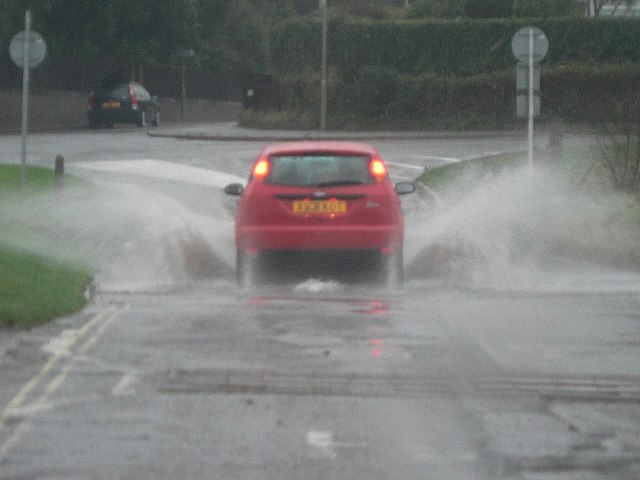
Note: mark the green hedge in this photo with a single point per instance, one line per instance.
(583, 93)
(378, 97)
(458, 47)
(451, 74)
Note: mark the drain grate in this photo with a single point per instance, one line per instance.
(576, 388)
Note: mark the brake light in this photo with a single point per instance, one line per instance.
(133, 96)
(378, 169)
(261, 169)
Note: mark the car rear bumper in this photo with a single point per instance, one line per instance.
(114, 116)
(385, 238)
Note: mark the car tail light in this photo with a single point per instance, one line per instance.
(91, 102)
(378, 169)
(261, 169)
(133, 96)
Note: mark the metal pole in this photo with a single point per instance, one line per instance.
(531, 106)
(323, 73)
(184, 91)
(25, 98)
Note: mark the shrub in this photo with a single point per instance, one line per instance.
(381, 97)
(366, 9)
(436, 9)
(461, 47)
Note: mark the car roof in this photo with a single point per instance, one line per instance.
(320, 146)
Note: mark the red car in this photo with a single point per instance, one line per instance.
(319, 200)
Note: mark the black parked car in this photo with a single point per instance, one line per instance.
(124, 103)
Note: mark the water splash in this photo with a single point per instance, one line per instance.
(502, 234)
(497, 235)
(132, 236)
(314, 285)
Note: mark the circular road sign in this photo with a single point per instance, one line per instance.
(520, 44)
(37, 49)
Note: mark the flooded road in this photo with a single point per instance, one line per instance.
(500, 358)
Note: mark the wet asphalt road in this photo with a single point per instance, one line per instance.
(171, 372)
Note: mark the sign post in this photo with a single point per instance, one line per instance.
(530, 45)
(323, 68)
(27, 50)
(184, 54)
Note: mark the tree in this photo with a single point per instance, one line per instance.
(234, 35)
(229, 35)
(488, 8)
(619, 140)
(12, 16)
(7, 15)
(598, 4)
(545, 8)
(78, 27)
(149, 31)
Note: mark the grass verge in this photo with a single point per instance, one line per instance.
(37, 179)
(573, 165)
(35, 289)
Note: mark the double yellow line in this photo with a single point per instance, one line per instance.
(85, 337)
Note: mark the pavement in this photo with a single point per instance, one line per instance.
(231, 131)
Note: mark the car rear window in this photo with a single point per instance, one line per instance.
(121, 93)
(319, 170)
(141, 92)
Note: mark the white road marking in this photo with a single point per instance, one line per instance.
(319, 439)
(149, 167)
(407, 166)
(59, 346)
(323, 441)
(126, 385)
(68, 339)
(438, 159)
(433, 457)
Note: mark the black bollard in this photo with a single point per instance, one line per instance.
(59, 172)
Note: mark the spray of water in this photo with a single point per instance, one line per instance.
(504, 233)
(513, 232)
(130, 236)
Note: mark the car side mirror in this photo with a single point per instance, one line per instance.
(403, 188)
(234, 189)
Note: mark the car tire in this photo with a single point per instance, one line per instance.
(392, 269)
(94, 124)
(245, 270)
(142, 119)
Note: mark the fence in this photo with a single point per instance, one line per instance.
(81, 75)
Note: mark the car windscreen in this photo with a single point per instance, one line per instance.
(319, 170)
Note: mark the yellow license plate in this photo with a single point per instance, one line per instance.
(111, 105)
(319, 206)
